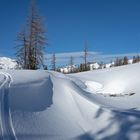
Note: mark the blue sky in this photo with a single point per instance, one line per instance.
(109, 26)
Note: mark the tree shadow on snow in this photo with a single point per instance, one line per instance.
(128, 126)
(85, 137)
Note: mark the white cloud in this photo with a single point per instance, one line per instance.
(64, 58)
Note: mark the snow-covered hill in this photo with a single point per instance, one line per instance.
(7, 63)
(95, 105)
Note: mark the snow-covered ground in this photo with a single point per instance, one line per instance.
(95, 105)
(7, 63)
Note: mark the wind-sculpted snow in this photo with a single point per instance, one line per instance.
(98, 105)
(7, 130)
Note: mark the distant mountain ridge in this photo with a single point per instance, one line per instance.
(7, 63)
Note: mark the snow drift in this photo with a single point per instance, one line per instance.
(98, 105)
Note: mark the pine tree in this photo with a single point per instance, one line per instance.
(54, 62)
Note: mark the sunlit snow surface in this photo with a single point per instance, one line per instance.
(96, 105)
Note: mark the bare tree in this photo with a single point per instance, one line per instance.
(71, 64)
(85, 55)
(35, 39)
(125, 60)
(22, 49)
(53, 62)
(36, 36)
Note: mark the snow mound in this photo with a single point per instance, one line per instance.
(93, 86)
(31, 90)
(54, 106)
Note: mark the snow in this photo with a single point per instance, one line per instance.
(94, 66)
(7, 63)
(94, 105)
(93, 86)
(68, 69)
(130, 61)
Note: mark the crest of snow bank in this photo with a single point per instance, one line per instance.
(30, 90)
(7, 63)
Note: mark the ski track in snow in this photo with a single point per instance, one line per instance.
(7, 130)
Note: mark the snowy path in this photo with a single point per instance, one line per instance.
(7, 131)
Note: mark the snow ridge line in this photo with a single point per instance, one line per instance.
(7, 129)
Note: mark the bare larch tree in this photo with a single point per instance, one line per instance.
(35, 38)
(85, 55)
(22, 49)
(71, 64)
(53, 62)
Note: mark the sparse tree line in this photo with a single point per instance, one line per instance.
(31, 44)
(125, 61)
(81, 68)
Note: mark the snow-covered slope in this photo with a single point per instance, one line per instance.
(94, 105)
(7, 63)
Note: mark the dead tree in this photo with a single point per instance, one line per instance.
(85, 55)
(53, 62)
(34, 42)
(22, 51)
(71, 64)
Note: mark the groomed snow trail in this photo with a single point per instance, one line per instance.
(6, 126)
